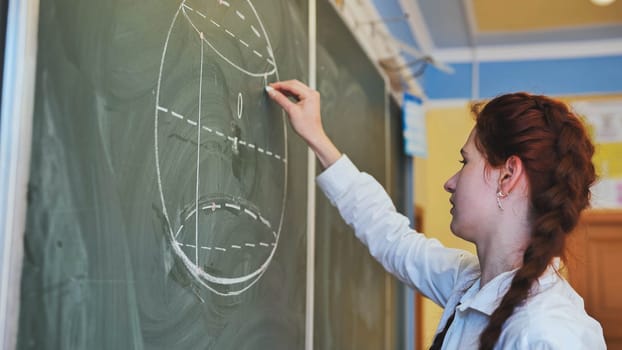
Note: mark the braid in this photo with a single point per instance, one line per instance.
(556, 153)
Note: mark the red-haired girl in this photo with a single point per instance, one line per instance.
(525, 177)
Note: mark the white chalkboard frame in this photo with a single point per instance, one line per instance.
(15, 142)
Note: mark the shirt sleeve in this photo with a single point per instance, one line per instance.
(420, 262)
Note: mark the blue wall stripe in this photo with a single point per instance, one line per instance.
(440, 85)
(553, 77)
(573, 76)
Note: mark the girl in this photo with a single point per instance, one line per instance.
(525, 177)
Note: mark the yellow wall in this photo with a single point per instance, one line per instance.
(447, 130)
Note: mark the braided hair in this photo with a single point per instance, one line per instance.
(556, 153)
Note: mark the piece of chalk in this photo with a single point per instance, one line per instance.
(269, 89)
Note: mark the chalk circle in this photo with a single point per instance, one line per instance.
(222, 179)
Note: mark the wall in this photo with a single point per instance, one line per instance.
(448, 128)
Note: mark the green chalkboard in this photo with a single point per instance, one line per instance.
(167, 196)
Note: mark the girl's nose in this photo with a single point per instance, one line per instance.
(450, 185)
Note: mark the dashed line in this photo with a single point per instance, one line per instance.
(240, 14)
(179, 231)
(232, 34)
(250, 213)
(233, 246)
(223, 2)
(221, 134)
(265, 222)
(233, 206)
(256, 32)
(188, 216)
(212, 206)
(238, 246)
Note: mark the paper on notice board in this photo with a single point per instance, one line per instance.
(604, 119)
(415, 142)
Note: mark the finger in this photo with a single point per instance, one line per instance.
(293, 82)
(300, 84)
(293, 87)
(281, 99)
(297, 83)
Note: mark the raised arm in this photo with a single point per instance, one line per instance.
(304, 116)
(363, 203)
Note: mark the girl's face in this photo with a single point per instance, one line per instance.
(473, 194)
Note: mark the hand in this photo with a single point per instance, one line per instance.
(304, 116)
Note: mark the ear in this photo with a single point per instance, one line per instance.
(510, 174)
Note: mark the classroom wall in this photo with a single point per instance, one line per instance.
(447, 130)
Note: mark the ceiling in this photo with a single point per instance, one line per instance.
(450, 33)
(520, 22)
(441, 25)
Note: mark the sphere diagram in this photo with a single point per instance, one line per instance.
(220, 146)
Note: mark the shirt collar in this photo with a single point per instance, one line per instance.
(487, 299)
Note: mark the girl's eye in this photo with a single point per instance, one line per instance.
(462, 161)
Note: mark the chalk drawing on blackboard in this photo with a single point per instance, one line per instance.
(240, 105)
(221, 170)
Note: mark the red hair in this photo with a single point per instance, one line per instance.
(556, 153)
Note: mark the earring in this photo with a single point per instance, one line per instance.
(500, 195)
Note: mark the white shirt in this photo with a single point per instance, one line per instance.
(553, 317)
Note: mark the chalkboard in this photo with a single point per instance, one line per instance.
(166, 200)
(167, 195)
(356, 300)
